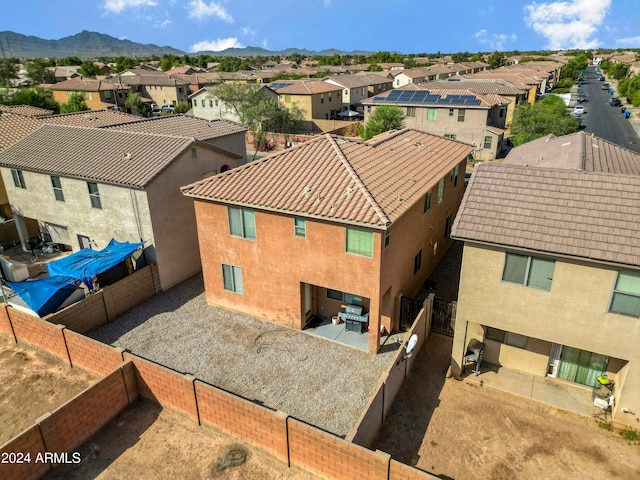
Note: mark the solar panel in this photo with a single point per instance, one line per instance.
(278, 85)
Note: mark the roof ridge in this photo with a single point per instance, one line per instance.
(356, 178)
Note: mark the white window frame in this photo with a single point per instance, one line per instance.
(232, 280)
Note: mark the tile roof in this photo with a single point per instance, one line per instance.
(340, 179)
(159, 80)
(81, 84)
(182, 125)
(26, 110)
(553, 211)
(482, 86)
(485, 100)
(309, 88)
(375, 79)
(576, 151)
(15, 127)
(110, 156)
(349, 80)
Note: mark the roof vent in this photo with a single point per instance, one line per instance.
(348, 192)
(305, 191)
(400, 198)
(566, 144)
(127, 156)
(319, 198)
(418, 144)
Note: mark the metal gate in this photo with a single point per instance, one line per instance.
(409, 309)
(441, 317)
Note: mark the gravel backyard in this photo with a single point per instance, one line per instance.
(315, 380)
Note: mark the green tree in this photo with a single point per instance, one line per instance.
(620, 71)
(383, 118)
(66, 61)
(76, 103)
(461, 57)
(182, 107)
(548, 116)
(36, 97)
(137, 106)
(497, 60)
(124, 63)
(8, 71)
(38, 72)
(573, 67)
(374, 67)
(88, 69)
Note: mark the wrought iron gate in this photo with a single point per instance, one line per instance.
(441, 317)
(409, 309)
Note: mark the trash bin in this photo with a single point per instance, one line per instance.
(627, 114)
(622, 110)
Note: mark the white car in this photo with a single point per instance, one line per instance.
(578, 110)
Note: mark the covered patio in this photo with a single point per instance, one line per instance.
(323, 327)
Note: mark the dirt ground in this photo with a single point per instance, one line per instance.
(148, 442)
(33, 383)
(457, 429)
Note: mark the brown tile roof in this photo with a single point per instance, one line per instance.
(349, 81)
(482, 86)
(340, 179)
(183, 126)
(26, 110)
(576, 151)
(309, 88)
(15, 127)
(485, 100)
(110, 156)
(553, 211)
(375, 79)
(159, 80)
(81, 84)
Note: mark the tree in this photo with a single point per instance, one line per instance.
(182, 107)
(88, 69)
(497, 60)
(124, 63)
(134, 104)
(39, 73)
(383, 118)
(76, 103)
(8, 71)
(548, 116)
(36, 97)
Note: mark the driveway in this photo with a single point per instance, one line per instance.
(315, 380)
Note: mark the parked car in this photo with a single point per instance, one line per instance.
(167, 108)
(579, 110)
(605, 86)
(615, 102)
(602, 78)
(582, 98)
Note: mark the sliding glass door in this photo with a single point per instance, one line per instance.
(580, 366)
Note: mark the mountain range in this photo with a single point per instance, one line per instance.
(93, 44)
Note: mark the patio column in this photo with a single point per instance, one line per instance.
(23, 234)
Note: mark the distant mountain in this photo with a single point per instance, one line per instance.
(93, 44)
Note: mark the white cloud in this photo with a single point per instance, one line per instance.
(248, 31)
(569, 24)
(117, 6)
(165, 23)
(630, 41)
(265, 44)
(200, 10)
(216, 45)
(495, 41)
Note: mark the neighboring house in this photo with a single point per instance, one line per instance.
(157, 88)
(317, 99)
(523, 78)
(26, 110)
(85, 186)
(306, 231)
(355, 88)
(550, 277)
(64, 73)
(456, 114)
(205, 105)
(516, 96)
(407, 77)
(98, 94)
(376, 83)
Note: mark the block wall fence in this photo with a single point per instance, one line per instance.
(128, 377)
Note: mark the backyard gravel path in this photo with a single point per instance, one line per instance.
(315, 380)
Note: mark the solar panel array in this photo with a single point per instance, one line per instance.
(424, 96)
(278, 85)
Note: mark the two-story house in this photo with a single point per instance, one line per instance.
(98, 94)
(376, 83)
(355, 88)
(317, 99)
(159, 88)
(85, 186)
(306, 231)
(550, 280)
(204, 104)
(456, 114)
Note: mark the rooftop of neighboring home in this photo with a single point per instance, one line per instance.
(82, 84)
(438, 97)
(26, 110)
(349, 80)
(575, 195)
(16, 127)
(118, 157)
(412, 73)
(182, 125)
(375, 79)
(308, 88)
(340, 179)
(483, 86)
(159, 80)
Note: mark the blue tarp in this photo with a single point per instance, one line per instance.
(84, 264)
(45, 295)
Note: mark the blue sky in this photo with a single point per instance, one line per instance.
(393, 25)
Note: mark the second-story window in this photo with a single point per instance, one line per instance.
(440, 190)
(18, 178)
(57, 188)
(411, 111)
(300, 227)
(532, 272)
(242, 223)
(94, 195)
(626, 294)
(359, 242)
(461, 114)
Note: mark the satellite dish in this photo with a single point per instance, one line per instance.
(411, 344)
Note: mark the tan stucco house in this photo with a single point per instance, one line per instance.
(550, 279)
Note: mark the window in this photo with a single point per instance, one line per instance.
(94, 195)
(359, 242)
(210, 103)
(90, 95)
(195, 103)
(417, 262)
(447, 225)
(344, 297)
(57, 188)
(432, 114)
(300, 227)
(107, 95)
(440, 190)
(321, 98)
(626, 294)
(202, 103)
(451, 112)
(387, 237)
(427, 202)
(487, 141)
(508, 338)
(232, 278)
(450, 136)
(453, 176)
(287, 98)
(501, 112)
(242, 223)
(528, 271)
(581, 366)
(461, 113)
(411, 111)
(18, 178)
